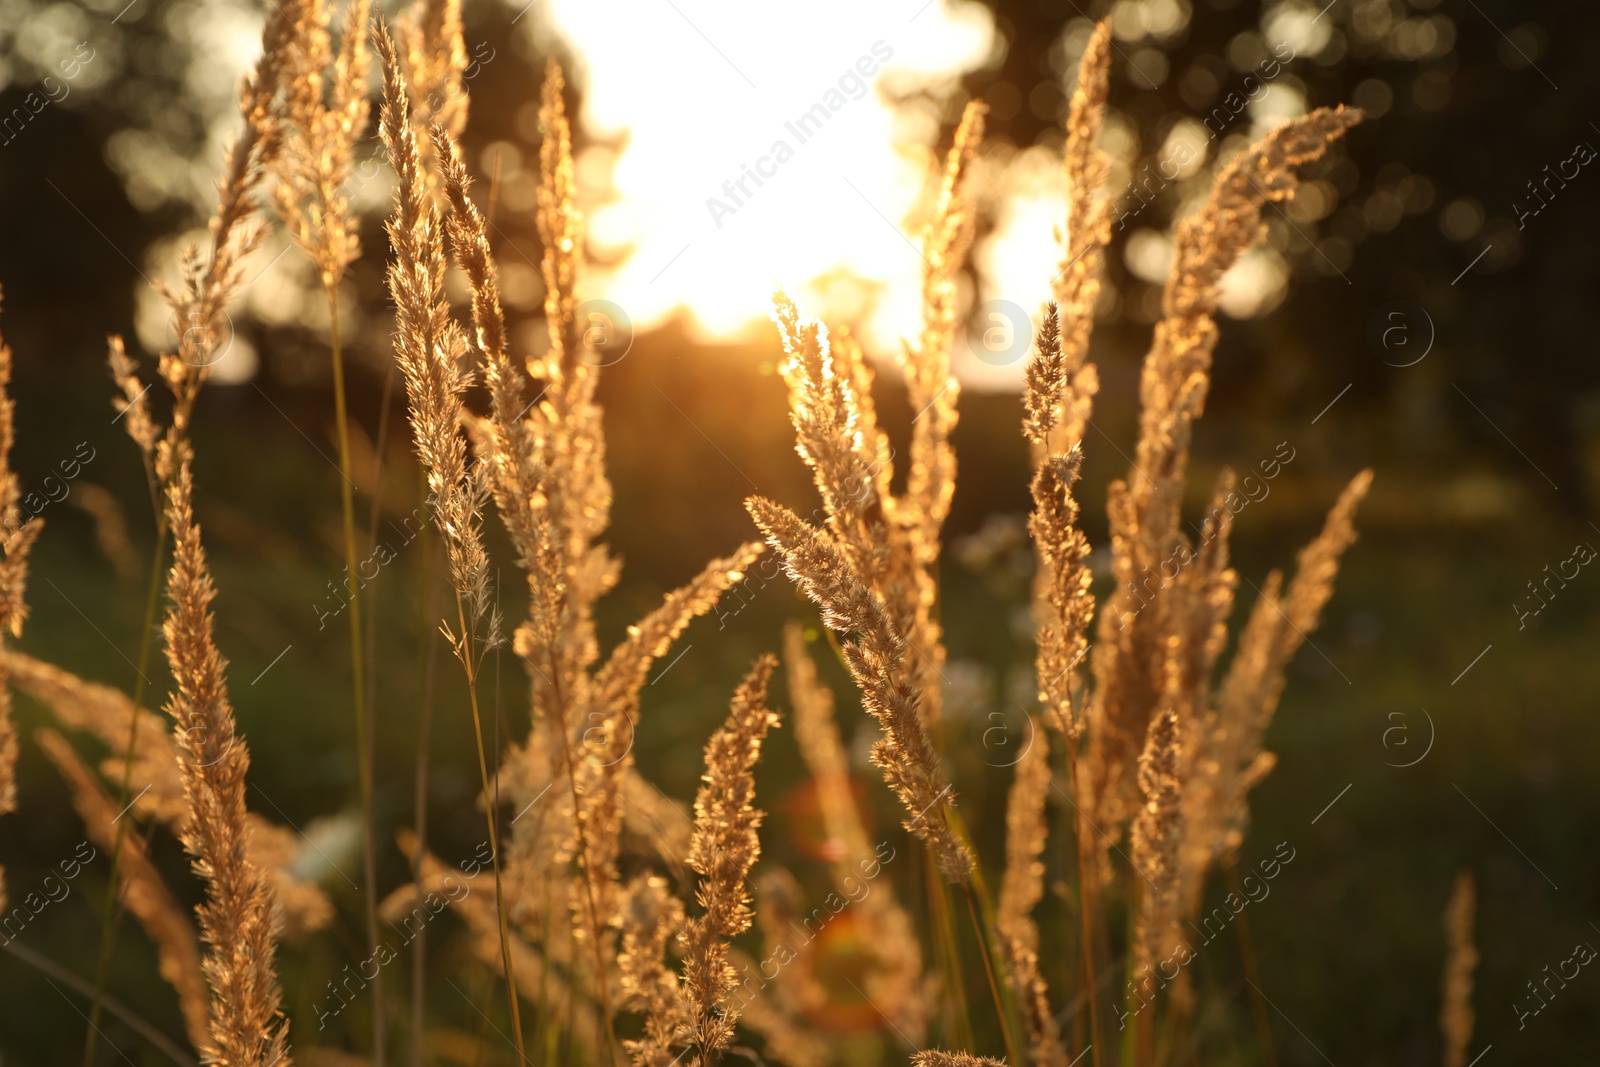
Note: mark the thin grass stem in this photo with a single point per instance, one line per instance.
(984, 945)
(1086, 895)
(357, 672)
(609, 1035)
(469, 661)
(430, 611)
(960, 1022)
(109, 912)
(1247, 953)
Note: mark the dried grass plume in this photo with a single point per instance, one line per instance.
(1456, 1016)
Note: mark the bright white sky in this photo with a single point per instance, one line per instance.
(704, 89)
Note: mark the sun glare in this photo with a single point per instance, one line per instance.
(753, 146)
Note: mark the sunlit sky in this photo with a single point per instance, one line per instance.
(718, 192)
(725, 150)
(707, 96)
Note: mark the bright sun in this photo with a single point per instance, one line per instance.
(761, 146)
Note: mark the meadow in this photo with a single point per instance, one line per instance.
(513, 715)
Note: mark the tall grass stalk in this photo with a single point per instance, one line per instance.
(555, 1029)
(135, 1022)
(470, 659)
(429, 348)
(1157, 754)
(1087, 892)
(357, 673)
(986, 949)
(370, 694)
(958, 1026)
(109, 912)
(430, 611)
(609, 1033)
(980, 900)
(1247, 954)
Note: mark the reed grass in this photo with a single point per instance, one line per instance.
(725, 846)
(145, 891)
(323, 115)
(15, 544)
(940, 1058)
(1456, 1015)
(236, 921)
(429, 346)
(897, 985)
(245, 999)
(1020, 893)
(142, 430)
(591, 924)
